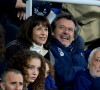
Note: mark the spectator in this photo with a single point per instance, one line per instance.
(49, 74)
(89, 79)
(88, 17)
(34, 34)
(69, 58)
(12, 80)
(12, 15)
(32, 66)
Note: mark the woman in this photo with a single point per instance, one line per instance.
(34, 34)
(32, 66)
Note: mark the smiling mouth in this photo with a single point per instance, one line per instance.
(63, 37)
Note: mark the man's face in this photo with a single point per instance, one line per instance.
(13, 81)
(64, 31)
(94, 67)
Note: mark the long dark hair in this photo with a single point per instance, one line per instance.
(25, 32)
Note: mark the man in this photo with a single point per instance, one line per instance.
(12, 80)
(88, 17)
(89, 79)
(68, 56)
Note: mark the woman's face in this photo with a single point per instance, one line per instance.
(40, 34)
(33, 69)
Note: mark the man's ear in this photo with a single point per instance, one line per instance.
(2, 85)
(89, 65)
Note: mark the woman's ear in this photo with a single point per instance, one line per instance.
(88, 66)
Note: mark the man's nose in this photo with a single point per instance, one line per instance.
(18, 87)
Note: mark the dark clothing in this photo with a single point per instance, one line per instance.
(9, 19)
(16, 46)
(84, 81)
(68, 60)
(49, 83)
(94, 44)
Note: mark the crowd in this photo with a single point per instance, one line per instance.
(46, 54)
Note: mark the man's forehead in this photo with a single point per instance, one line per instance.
(14, 77)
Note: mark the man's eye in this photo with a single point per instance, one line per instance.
(97, 60)
(70, 29)
(20, 83)
(62, 27)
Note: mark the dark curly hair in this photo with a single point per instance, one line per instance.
(2, 43)
(25, 32)
(51, 68)
(20, 62)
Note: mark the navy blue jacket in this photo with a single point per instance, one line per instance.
(84, 81)
(68, 60)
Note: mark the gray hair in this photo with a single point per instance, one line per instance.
(4, 74)
(68, 16)
(92, 53)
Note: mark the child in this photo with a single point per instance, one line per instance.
(49, 75)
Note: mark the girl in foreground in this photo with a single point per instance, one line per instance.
(32, 66)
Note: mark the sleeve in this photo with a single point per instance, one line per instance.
(81, 83)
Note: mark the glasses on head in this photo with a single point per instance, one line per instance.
(70, 29)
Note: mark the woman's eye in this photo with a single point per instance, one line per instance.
(38, 69)
(30, 68)
(46, 29)
(38, 29)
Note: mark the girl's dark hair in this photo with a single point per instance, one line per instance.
(51, 68)
(20, 62)
(25, 32)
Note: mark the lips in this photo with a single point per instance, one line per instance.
(42, 38)
(33, 78)
(66, 37)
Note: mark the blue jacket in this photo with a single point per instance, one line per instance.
(84, 81)
(49, 83)
(68, 60)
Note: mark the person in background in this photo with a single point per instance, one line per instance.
(89, 78)
(49, 75)
(11, 79)
(12, 15)
(69, 58)
(34, 34)
(32, 66)
(94, 44)
(2, 49)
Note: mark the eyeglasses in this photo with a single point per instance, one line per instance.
(62, 27)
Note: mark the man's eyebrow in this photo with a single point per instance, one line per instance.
(13, 82)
